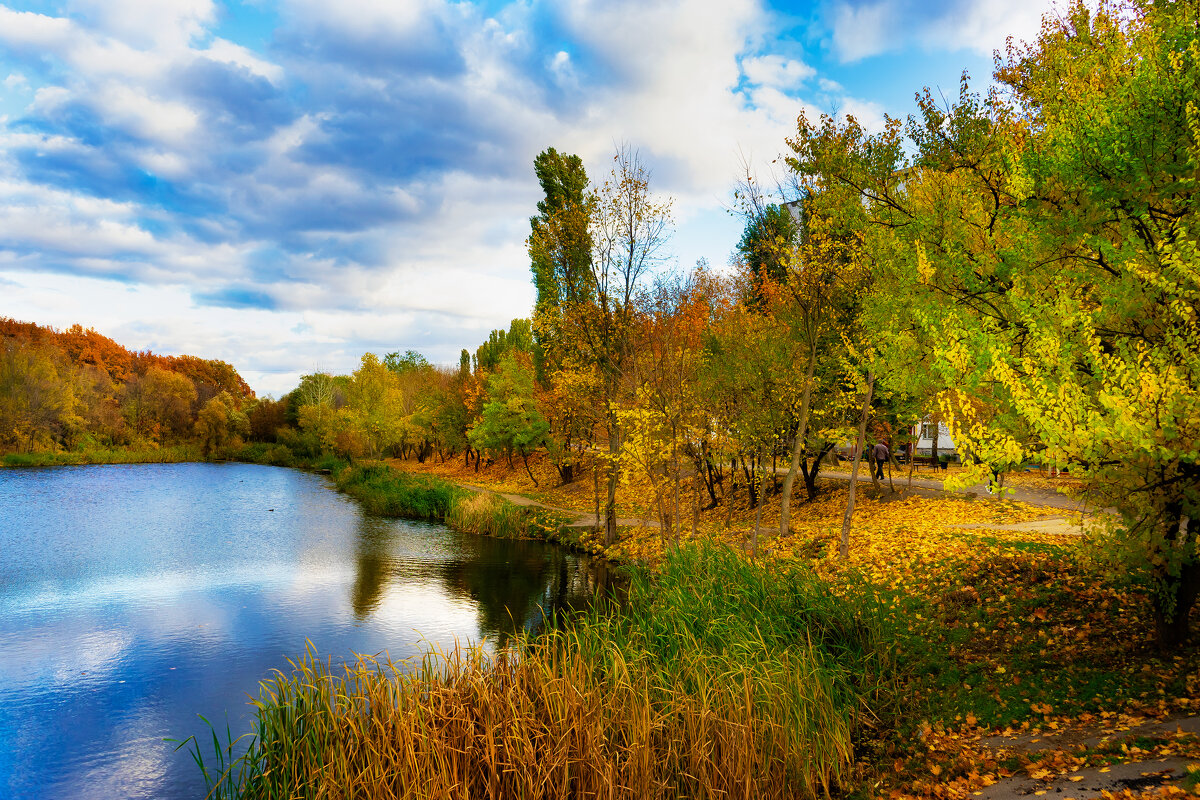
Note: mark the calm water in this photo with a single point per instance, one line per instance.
(133, 598)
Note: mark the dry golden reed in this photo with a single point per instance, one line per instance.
(719, 680)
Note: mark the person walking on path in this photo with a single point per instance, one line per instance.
(880, 454)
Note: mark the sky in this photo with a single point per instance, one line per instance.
(287, 184)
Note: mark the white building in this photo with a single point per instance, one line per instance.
(925, 441)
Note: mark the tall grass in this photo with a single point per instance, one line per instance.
(719, 679)
(391, 493)
(104, 455)
(490, 515)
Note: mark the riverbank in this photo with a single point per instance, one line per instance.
(104, 455)
(717, 678)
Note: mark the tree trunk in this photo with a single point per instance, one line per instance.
(751, 483)
(912, 462)
(785, 508)
(695, 502)
(525, 458)
(729, 497)
(709, 483)
(810, 474)
(610, 504)
(844, 546)
(757, 525)
(596, 489)
(676, 470)
(1173, 612)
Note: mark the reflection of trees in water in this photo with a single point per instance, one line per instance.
(374, 564)
(513, 584)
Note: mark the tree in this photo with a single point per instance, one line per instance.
(511, 422)
(626, 230)
(666, 419)
(767, 242)
(37, 398)
(1045, 242)
(220, 423)
(159, 404)
(560, 250)
(409, 362)
(519, 336)
(807, 276)
(376, 404)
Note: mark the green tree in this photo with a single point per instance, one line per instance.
(560, 250)
(519, 336)
(771, 233)
(375, 402)
(409, 362)
(511, 422)
(37, 398)
(1044, 242)
(220, 423)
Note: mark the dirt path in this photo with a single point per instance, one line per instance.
(583, 519)
(1133, 775)
(1028, 495)
(1060, 526)
(1036, 497)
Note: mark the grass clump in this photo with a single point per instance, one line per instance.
(490, 514)
(718, 678)
(390, 493)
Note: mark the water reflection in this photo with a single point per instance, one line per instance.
(133, 598)
(513, 585)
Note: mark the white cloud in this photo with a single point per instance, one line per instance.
(161, 24)
(864, 29)
(227, 52)
(776, 71)
(144, 115)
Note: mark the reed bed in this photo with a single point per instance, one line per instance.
(761, 700)
(490, 515)
(390, 493)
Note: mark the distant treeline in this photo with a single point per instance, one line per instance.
(76, 388)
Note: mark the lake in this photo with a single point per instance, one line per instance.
(135, 597)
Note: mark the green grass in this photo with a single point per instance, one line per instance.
(390, 493)
(490, 515)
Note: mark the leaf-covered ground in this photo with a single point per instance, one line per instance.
(1019, 650)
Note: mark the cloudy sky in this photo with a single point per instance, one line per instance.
(286, 184)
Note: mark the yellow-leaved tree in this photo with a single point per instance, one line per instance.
(1040, 252)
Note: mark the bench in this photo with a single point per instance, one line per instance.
(928, 461)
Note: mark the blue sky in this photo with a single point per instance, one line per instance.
(288, 184)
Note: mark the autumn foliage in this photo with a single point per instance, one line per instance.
(75, 387)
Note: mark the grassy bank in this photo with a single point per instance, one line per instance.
(104, 455)
(719, 678)
(392, 493)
